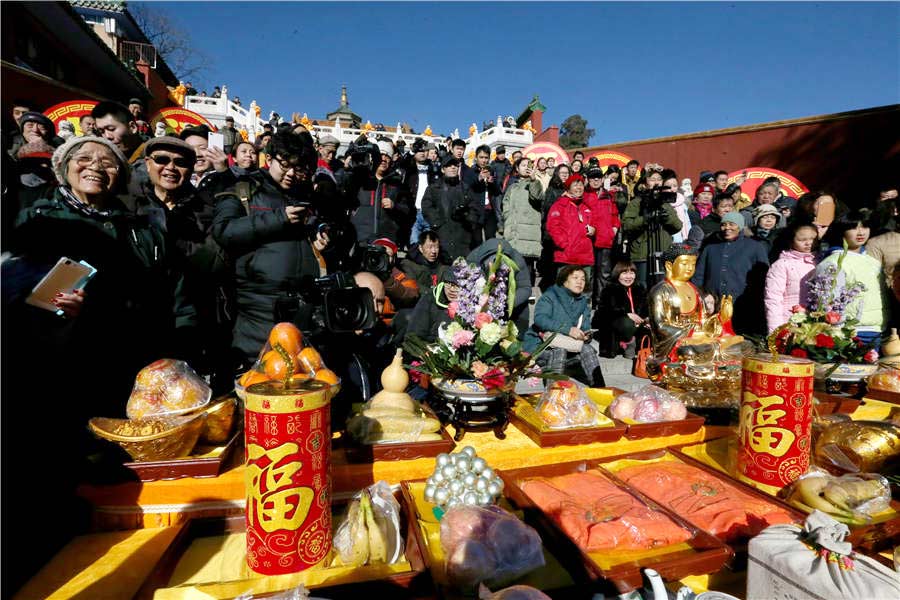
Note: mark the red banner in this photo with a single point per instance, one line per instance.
(790, 185)
(177, 119)
(71, 111)
(546, 150)
(609, 157)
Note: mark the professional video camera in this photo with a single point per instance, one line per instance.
(333, 303)
(653, 200)
(376, 260)
(364, 156)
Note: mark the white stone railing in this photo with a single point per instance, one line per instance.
(216, 109)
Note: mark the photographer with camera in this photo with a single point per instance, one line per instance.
(381, 212)
(379, 259)
(451, 210)
(482, 184)
(650, 221)
(263, 227)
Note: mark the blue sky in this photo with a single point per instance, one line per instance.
(633, 70)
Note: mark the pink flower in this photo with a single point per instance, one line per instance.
(452, 308)
(871, 357)
(482, 319)
(479, 369)
(797, 309)
(832, 317)
(462, 338)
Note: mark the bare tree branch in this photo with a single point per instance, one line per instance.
(172, 43)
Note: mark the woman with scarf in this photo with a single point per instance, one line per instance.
(84, 361)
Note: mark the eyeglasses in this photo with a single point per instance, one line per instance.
(85, 160)
(179, 161)
(286, 166)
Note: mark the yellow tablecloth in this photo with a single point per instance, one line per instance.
(113, 565)
(166, 503)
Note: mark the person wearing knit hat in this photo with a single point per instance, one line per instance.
(735, 265)
(73, 146)
(703, 199)
(766, 220)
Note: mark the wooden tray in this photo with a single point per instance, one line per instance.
(538, 578)
(883, 395)
(547, 437)
(412, 585)
(369, 453)
(829, 404)
(690, 424)
(189, 466)
(706, 554)
(638, 431)
(739, 547)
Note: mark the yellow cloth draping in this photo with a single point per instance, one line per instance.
(166, 503)
(104, 565)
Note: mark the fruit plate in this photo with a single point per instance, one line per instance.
(198, 549)
(369, 453)
(616, 569)
(737, 535)
(529, 422)
(638, 431)
(553, 579)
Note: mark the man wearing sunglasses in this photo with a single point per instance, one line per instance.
(263, 227)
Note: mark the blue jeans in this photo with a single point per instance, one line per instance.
(418, 228)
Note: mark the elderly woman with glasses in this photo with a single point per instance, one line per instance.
(126, 316)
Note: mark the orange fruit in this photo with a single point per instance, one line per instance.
(310, 359)
(326, 375)
(287, 336)
(251, 377)
(275, 366)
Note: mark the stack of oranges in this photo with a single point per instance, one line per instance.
(287, 358)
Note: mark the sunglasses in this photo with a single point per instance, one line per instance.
(178, 161)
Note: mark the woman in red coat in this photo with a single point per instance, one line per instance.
(606, 223)
(570, 224)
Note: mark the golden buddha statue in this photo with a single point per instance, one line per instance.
(691, 348)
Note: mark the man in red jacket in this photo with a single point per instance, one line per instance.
(606, 223)
(570, 224)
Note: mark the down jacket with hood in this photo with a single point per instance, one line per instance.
(522, 216)
(566, 225)
(786, 285)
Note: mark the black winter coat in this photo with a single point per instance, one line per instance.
(371, 220)
(453, 213)
(614, 305)
(272, 258)
(135, 310)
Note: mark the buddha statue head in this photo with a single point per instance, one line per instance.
(681, 261)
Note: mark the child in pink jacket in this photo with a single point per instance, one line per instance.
(788, 277)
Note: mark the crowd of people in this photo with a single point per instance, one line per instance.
(199, 251)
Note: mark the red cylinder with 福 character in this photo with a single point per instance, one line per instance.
(775, 420)
(288, 481)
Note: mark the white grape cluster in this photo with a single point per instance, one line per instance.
(462, 478)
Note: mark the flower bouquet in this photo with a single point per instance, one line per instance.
(480, 344)
(822, 330)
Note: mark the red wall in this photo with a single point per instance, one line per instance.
(848, 154)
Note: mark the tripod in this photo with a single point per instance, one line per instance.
(655, 271)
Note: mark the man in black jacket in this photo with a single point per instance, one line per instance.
(420, 173)
(501, 167)
(262, 225)
(483, 185)
(450, 209)
(380, 210)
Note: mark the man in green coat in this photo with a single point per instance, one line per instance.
(649, 222)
